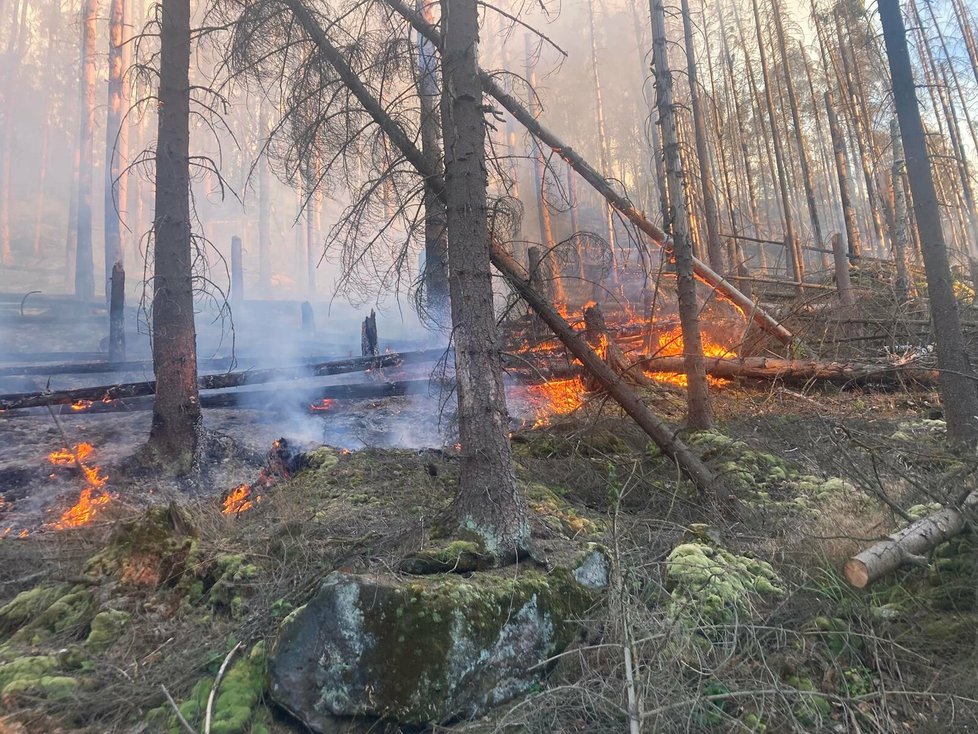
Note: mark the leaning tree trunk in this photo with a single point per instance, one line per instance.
(114, 145)
(435, 232)
(177, 421)
(489, 503)
(699, 409)
(84, 265)
(957, 389)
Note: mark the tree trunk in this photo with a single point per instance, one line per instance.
(901, 241)
(84, 265)
(793, 249)
(714, 247)
(489, 504)
(113, 146)
(699, 409)
(908, 545)
(117, 315)
(177, 424)
(957, 379)
(842, 281)
(435, 232)
(264, 209)
(842, 172)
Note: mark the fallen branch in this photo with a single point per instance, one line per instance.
(106, 393)
(217, 683)
(796, 370)
(908, 545)
(176, 710)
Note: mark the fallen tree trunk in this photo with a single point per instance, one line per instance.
(517, 278)
(216, 382)
(796, 370)
(599, 182)
(908, 545)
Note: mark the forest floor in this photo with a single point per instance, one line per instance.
(764, 636)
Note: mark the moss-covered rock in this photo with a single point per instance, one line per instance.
(59, 610)
(713, 586)
(28, 605)
(429, 650)
(106, 628)
(456, 556)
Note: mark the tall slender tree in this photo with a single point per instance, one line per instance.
(177, 423)
(84, 263)
(114, 143)
(957, 383)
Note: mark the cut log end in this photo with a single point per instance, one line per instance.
(856, 573)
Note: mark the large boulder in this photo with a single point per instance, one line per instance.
(428, 650)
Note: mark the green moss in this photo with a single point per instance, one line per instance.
(323, 459)
(811, 710)
(233, 575)
(715, 586)
(106, 628)
(69, 614)
(28, 605)
(459, 556)
(27, 668)
(51, 687)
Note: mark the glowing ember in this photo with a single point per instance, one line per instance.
(81, 405)
(671, 345)
(556, 397)
(238, 500)
(92, 497)
(322, 406)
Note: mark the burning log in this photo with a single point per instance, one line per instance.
(117, 315)
(908, 545)
(596, 334)
(106, 393)
(368, 336)
(596, 180)
(796, 370)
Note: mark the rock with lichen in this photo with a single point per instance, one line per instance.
(429, 650)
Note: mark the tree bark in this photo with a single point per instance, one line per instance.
(264, 209)
(714, 247)
(435, 231)
(699, 410)
(842, 173)
(909, 544)
(112, 205)
(117, 315)
(489, 504)
(84, 265)
(177, 424)
(901, 240)
(957, 385)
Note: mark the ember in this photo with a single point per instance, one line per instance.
(81, 405)
(322, 406)
(238, 500)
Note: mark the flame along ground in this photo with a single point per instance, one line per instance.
(92, 497)
(562, 396)
(238, 500)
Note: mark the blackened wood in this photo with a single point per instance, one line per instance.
(117, 315)
(368, 336)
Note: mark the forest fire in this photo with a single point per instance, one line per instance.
(238, 500)
(670, 344)
(555, 397)
(92, 497)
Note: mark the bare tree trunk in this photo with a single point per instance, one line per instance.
(793, 249)
(901, 241)
(113, 145)
(842, 172)
(435, 231)
(806, 169)
(117, 315)
(84, 265)
(957, 389)
(177, 424)
(714, 247)
(540, 174)
(264, 208)
(489, 504)
(603, 152)
(699, 409)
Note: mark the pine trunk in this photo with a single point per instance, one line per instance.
(84, 263)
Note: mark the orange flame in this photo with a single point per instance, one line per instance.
(556, 397)
(322, 406)
(238, 500)
(81, 405)
(671, 345)
(92, 497)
